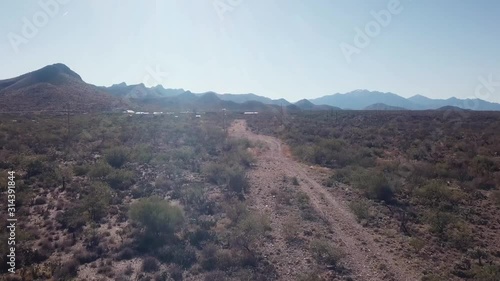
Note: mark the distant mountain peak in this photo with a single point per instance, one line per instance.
(383, 106)
(304, 102)
(50, 72)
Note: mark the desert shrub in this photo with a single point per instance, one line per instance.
(380, 189)
(482, 165)
(310, 276)
(81, 170)
(237, 182)
(40, 200)
(211, 257)
(478, 254)
(484, 183)
(96, 202)
(199, 236)
(100, 170)
(374, 185)
(145, 190)
(342, 175)
(432, 277)
(325, 253)
(157, 216)
(142, 153)
(241, 157)
(435, 194)
(71, 219)
(249, 230)
(150, 264)
(177, 253)
(116, 157)
(193, 195)
(284, 196)
(460, 236)
(85, 257)
(183, 155)
(163, 182)
(439, 221)
(34, 168)
(216, 173)
(306, 210)
(496, 197)
(125, 254)
(417, 244)
(120, 179)
(235, 211)
(176, 273)
(361, 209)
(208, 259)
(487, 273)
(67, 271)
(290, 230)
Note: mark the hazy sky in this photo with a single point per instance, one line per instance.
(280, 48)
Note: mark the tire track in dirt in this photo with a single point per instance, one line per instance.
(368, 260)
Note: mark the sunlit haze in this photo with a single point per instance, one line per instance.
(282, 48)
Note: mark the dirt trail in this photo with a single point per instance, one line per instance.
(367, 259)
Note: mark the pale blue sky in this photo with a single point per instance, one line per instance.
(280, 48)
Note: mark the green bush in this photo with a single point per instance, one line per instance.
(361, 209)
(440, 221)
(238, 183)
(162, 182)
(71, 219)
(235, 210)
(81, 170)
(291, 230)
(249, 230)
(306, 210)
(374, 184)
(482, 165)
(417, 244)
(487, 273)
(96, 202)
(435, 194)
(142, 153)
(157, 216)
(120, 179)
(460, 236)
(116, 157)
(325, 253)
(67, 271)
(177, 253)
(100, 170)
(216, 173)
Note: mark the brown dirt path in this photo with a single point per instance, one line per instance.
(367, 259)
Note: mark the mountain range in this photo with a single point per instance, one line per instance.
(361, 99)
(55, 87)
